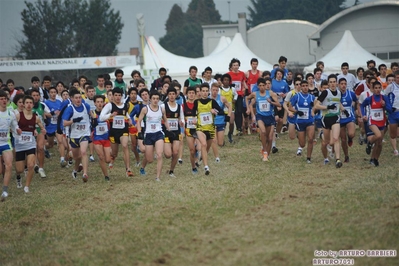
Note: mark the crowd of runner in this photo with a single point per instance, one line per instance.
(84, 120)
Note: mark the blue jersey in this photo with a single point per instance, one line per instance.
(100, 129)
(263, 107)
(303, 102)
(273, 73)
(280, 87)
(51, 126)
(347, 101)
(219, 119)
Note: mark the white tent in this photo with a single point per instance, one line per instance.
(222, 44)
(347, 50)
(156, 57)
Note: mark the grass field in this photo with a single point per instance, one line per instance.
(246, 212)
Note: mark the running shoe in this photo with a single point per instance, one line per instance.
(326, 161)
(106, 178)
(180, 161)
(91, 158)
(63, 163)
(361, 140)
(376, 162)
(80, 168)
(36, 169)
(4, 194)
(142, 171)
(299, 152)
(274, 150)
(338, 164)
(157, 179)
(395, 152)
(372, 162)
(346, 159)
(171, 174)
(129, 173)
(70, 163)
(308, 161)
(85, 177)
(19, 182)
(194, 171)
(26, 189)
(265, 157)
(207, 172)
(111, 165)
(137, 164)
(74, 174)
(217, 160)
(47, 154)
(42, 173)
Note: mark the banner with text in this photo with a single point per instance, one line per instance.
(67, 63)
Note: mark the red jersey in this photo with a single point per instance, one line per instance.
(377, 114)
(252, 79)
(238, 80)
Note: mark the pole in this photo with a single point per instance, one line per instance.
(228, 2)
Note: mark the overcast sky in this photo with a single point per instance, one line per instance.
(155, 13)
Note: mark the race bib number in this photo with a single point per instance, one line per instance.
(237, 85)
(101, 129)
(264, 106)
(347, 108)
(191, 122)
(377, 114)
(153, 127)
(173, 124)
(54, 119)
(206, 118)
(26, 137)
(118, 122)
(305, 113)
(279, 98)
(81, 126)
(4, 135)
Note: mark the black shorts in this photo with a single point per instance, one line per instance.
(279, 113)
(244, 112)
(328, 121)
(21, 155)
(115, 135)
(50, 134)
(209, 134)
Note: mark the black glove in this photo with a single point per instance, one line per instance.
(52, 113)
(393, 109)
(77, 119)
(331, 107)
(311, 104)
(300, 113)
(346, 113)
(226, 118)
(140, 135)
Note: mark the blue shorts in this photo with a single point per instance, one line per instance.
(343, 124)
(75, 143)
(6, 147)
(267, 120)
(393, 118)
(220, 127)
(152, 138)
(291, 120)
(368, 131)
(301, 127)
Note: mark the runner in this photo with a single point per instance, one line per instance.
(392, 91)
(7, 123)
(25, 144)
(230, 94)
(347, 119)
(77, 117)
(329, 102)
(264, 99)
(302, 104)
(206, 109)
(133, 129)
(101, 142)
(117, 114)
(376, 120)
(175, 116)
(153, 135)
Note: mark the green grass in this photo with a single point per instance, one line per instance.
(246, 212)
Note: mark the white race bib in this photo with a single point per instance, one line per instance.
(153, 127)
(191, 122)
(4, 134)
(173, 124)
(237, 85)
(377, 114)
(54, 119)
(347, 108)
(264, 106)
(26, 137)
(206, 118)
(305, 113)
(101, 129)
(118, 122)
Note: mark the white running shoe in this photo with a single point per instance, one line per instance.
(4, 194)
(91, 158)
(26, 189)
(42, 173)
(217, 160)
